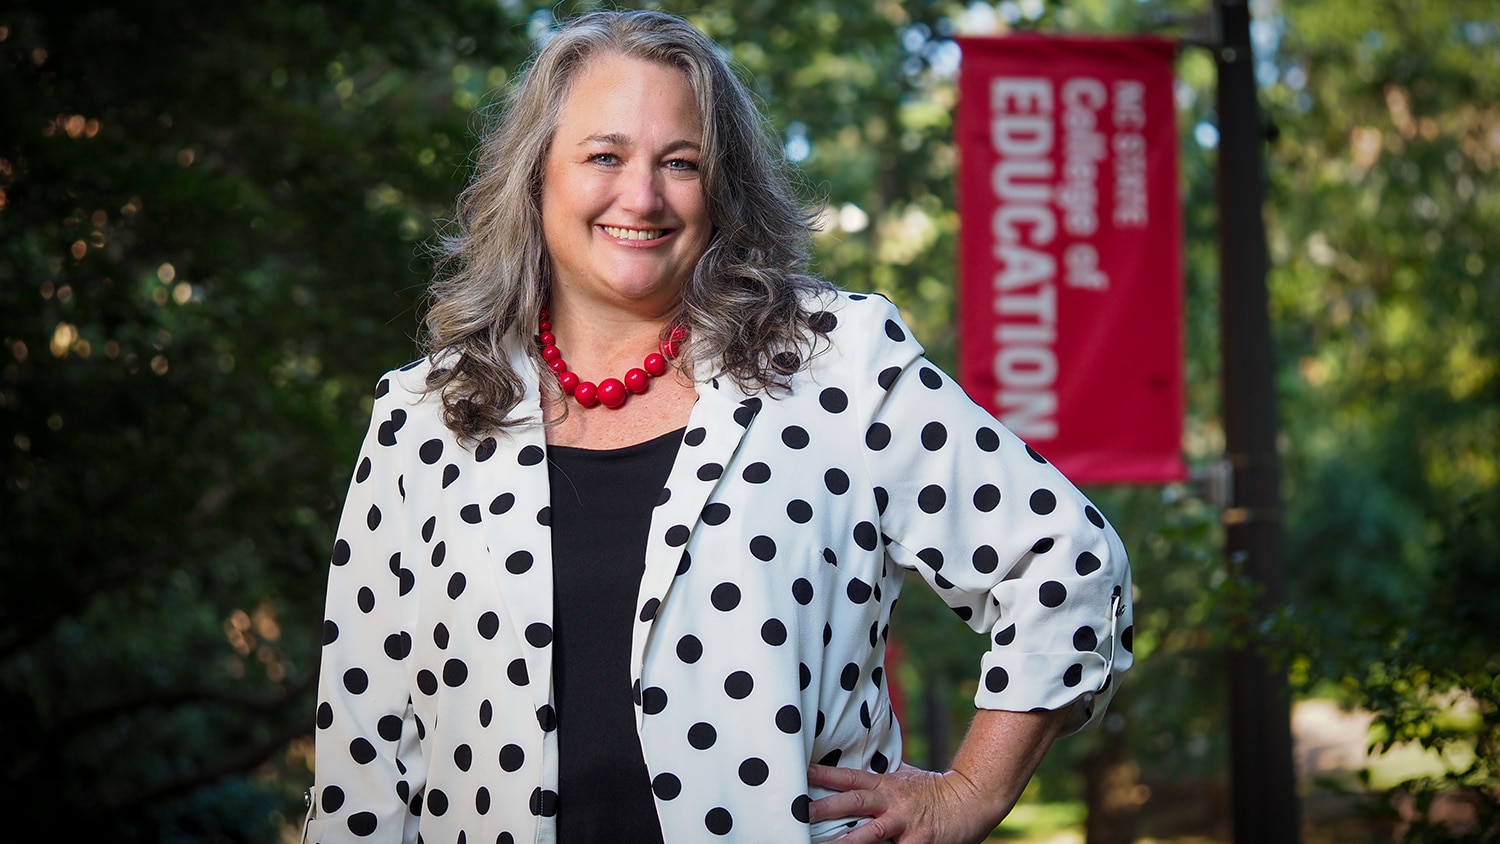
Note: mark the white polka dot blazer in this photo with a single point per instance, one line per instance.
(776, 554)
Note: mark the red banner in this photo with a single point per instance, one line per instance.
(1070, 301)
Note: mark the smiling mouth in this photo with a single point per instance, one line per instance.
(635, 234)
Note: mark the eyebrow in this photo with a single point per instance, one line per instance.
(617, 139)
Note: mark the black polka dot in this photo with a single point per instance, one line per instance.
(799, 511)
(677, 535)
(801, 805)
(716, 513)
(719, 821)
(1087, 564)
(502, 503)
(932, 557)
(865, 536)
(653, 700)
(702, 735)
(1073, 676)
(882, 498)
(648, 609)
(789, 719)
(1052, 593)
(485, 450)
(512, 757)
(763, 548)
(888, 377)
(987, 439)
(930, 378)
(689, 649)
(858, 591)
(356, 681)
(695, 437)
(1006, 636)
(985, 559)
(725, 597)
(756, 473)
(878, 763)
(333, 798)
(833, 400)
(1127, 638)
(362, 824)
(878, 436)
(519, 562)
(1043, 502)
(439, 552)
(822, 321)
(486, 713)
(754, 771)
(893, 331)
(546, 718)
(710, 472)
(773, 632)
(836, 481)
(398, 645)
(666, 786)
(1042, 546)
(455, 672)
(470, 513)
(517, 672)
(1035, 455)
(489, 625)
(932, 498)
(543, 802)
(849, 677)
(456, 585)
(450, 474)
(531, 455)
(794, 436)
(934, 436)
(366, 599)
(383, 387)
(539, 634)
(361, 751)
(482, 800)
(802, 591)
(437, 802)
(996, 679)
(431, 451)
(1085, 639)
(747, 411)
(1094, 516)
(372, 518)
(739, 684)
(427, 682)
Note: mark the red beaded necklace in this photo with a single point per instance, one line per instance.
(611, 392)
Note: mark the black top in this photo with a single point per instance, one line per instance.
(601, 516)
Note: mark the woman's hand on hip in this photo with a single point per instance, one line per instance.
(907, 805)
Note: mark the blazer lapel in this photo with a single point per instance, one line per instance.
(518, 538)
(714, 431)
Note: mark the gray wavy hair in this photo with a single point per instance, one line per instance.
(743, 303)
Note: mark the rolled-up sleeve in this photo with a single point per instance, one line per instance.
(1013, 547)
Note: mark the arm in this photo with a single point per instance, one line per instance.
(912, 806)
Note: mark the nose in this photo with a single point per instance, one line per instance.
(641, 188)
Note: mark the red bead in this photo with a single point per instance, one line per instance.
(655, 365)
(544, 325)
(544, 314)
(551, 353)
(586, 393)
(568, 381)
(559, 366)
(612, 393)
(637, 381)
(546, 338)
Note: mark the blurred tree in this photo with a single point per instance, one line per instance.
(213, 224)
(210, 221)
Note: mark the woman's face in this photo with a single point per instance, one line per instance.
(623, 211)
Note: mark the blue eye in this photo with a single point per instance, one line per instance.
(682, 164)
(604, 158)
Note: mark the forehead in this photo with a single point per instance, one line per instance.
(612, 92)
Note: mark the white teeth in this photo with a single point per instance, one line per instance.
(634, 234)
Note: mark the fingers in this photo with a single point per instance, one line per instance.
(847, 804)
(841, 779)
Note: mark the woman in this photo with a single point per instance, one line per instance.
(570, 607)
